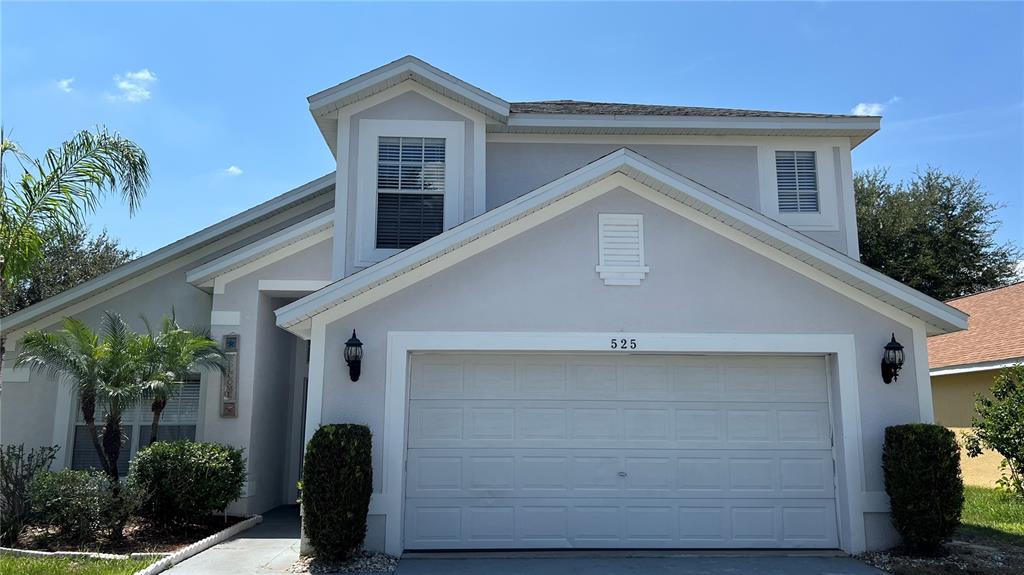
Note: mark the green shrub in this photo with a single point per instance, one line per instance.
(997, 426)
(186, 481)
(922, 477)
(337, 479)
(17, 470)
(79, 502)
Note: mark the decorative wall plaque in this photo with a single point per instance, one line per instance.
(229, 382)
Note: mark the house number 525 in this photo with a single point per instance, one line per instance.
(623, 343)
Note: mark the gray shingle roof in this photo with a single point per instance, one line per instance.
(613, 109)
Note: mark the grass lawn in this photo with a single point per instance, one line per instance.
(69, 566)
(991, 514)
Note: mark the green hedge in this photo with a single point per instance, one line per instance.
(80, 502)
(337, 479)
(187, 481)
(922, 477)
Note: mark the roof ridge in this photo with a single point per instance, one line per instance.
(985, 291)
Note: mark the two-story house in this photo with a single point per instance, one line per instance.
(583, 324)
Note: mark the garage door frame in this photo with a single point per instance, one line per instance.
(839, 348)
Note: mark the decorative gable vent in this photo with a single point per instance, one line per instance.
(621, 246)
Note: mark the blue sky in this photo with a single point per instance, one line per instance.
(215, 93)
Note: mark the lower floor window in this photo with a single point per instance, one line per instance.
(177, 421)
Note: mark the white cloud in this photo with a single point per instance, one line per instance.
(233, 171)
(873, 108)
(135, 86)
(64, 85)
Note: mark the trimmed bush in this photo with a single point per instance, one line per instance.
(17, 471)
(922, 477)
(77, 502)
(337, 479)
(186, 481)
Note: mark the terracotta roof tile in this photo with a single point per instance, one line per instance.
(995, 330)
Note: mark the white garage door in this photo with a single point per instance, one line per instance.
(605, 451)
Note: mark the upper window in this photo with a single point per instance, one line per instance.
(797, 180)
(410, 190)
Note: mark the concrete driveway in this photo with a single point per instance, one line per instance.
(632, 565)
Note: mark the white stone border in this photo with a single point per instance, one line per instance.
(168, 559)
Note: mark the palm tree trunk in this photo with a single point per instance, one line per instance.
(112, 444)
(89, 416)
(157, 408)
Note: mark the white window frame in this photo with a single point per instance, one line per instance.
(827, 216)
(134, 417)
(370, 131)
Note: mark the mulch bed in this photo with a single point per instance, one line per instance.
(962, 557)
(139, 537)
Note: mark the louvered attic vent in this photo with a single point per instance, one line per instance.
(621, 245)
(797, 178)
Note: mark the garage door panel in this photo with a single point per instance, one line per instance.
(657, 523)
(437, 423)
(627, 377)
(627, 451)
(645, 473)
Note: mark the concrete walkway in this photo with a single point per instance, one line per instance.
(270, 547)
(765, 565)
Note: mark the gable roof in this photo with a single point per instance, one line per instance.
(995, 330)
(939, 317)
(578, 117)
(167, 253)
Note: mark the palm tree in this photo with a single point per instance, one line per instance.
(106, 369)
(55, 193)
(174, 353)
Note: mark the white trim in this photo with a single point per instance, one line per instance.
(827, 216)
(292, 285)
(848, 195)
(924, 383)
(339, 253)
(261, 253)
(230, 318)
(973, 367)
(453, 132)
(479, 168)
(752, 140)
(63, 424)
(625, 168)
(315, 381)
(390, 499)
(323, 101)
(17, 375)
(153, 265)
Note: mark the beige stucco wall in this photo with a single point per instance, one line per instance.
(953, 398)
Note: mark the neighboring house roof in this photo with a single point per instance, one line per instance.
(995, 331)
(166, 254)
(418, 262)
(576, 117)
(615, 109)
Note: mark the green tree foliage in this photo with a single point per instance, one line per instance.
(934, 233)
(68, 259)
(173, 353)
(998, 424)
(105, 367)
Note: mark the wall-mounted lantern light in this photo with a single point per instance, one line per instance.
(354, 356)
(892, 360)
